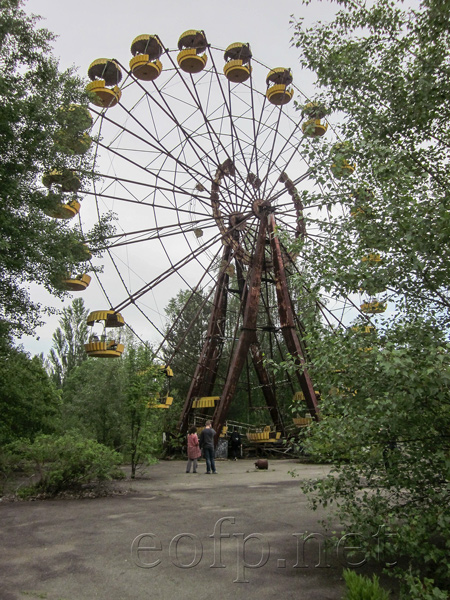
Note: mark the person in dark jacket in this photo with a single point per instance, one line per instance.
(235, 444)
(207, 445)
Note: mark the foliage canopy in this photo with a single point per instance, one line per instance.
(29, 402)
(68, 341)
(383, 70)
(34, 247)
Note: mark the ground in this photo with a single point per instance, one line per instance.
(237, 534)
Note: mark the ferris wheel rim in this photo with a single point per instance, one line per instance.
(162, 231)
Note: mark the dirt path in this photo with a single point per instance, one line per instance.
(237, 534)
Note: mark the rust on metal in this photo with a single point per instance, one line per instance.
(287, 321)
(248, 331)
(205, 373)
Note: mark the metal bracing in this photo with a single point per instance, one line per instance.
(198, 170)
(287, 319)
(206, 371)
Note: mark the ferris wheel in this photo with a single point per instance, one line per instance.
(198, 151)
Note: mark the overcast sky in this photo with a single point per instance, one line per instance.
(90, 29)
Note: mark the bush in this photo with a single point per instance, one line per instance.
(9, 463)
(363, 588)
(422, 589)
(66, 462)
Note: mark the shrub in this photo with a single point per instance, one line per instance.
(9, 463)
(68, 461)
(422, 589)
(363, 588)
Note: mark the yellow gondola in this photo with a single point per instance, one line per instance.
(313, 127)
(357, 211)
(104, 348)
(373, 257)
(264, 436)
(341, 153)
(342, 169)
(168, 370)
(237, 69)
(102, 96)
(76, 283)
(63, 210)
(155, 402)
(373, 307)
(105, 74)
(278, 80)
(104, 345)
(192, 45)
(145, 69)
(205, 402)
(146, 50)
(364, 329)
(302, 421)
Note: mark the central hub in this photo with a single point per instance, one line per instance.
(237, 221)
(259, 206)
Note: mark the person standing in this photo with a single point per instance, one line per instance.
(193, 450)
(207, 445)
(235, 444)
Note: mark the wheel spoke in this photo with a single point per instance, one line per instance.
(192, 163)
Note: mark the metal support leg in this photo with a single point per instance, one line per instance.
(286, 312)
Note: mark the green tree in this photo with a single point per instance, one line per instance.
(34, 247)
(385, 407)
(113, 402)
(29, 402)
(383, 69)
(93, 401)
(68, 341)
(62, 462)
(143, 385)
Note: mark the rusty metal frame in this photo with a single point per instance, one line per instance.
(287, 320)
(206, 370)
(247, 336)
(258, 362)
(207, 367)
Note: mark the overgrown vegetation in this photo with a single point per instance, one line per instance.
(72, 430)
(383, 70)
(363, 588)
(65, 462)
(384, 384)
(29, 402)
(33, 246)
(112, 401)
